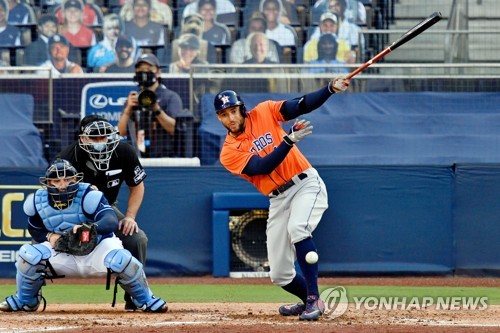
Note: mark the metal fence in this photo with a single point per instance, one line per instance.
(58, 100)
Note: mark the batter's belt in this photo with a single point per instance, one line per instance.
(288, 184)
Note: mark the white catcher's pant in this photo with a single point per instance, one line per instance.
(293, 216)
(84, 266)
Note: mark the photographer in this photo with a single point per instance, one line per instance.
(149, 115)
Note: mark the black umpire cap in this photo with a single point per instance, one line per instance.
(89, 120)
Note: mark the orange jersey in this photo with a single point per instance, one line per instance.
(262, 134)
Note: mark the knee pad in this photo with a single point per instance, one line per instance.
(32, 258)
(122, 263)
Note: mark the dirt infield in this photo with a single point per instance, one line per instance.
(258, 317)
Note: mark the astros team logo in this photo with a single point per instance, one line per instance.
(336, 302)
(224, 99)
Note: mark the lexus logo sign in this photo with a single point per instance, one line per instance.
(99, 101)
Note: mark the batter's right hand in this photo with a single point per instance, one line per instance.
(300, 129)
(339, 84)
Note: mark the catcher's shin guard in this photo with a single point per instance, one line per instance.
(30, 277)
(133, 280)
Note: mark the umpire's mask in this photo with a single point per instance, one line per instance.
(99, 139)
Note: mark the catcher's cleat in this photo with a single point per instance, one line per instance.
(314, 308)
(11, 304)
(292, 309)
(156, 305)
(129, 304)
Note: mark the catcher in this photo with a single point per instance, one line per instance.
(73, 224)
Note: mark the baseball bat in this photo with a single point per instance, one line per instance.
(409, 35)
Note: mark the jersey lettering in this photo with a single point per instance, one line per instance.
(263, 141)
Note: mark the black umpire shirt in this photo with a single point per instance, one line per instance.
(123, 166)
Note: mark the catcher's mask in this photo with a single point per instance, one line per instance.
(228, 98)
(61, 197)
(99, 139)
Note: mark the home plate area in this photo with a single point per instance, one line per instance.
(243, 317)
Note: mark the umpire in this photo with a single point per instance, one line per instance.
(106, 162)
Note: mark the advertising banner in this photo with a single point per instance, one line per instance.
(106, 99)
(14, 231)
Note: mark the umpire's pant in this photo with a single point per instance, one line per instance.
(137, 243)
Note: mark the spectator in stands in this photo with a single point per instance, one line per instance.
(222, 7)
(355, 11)
(141, 28)
(37, 52)
(240, 50)
(328, 25)
(9, 34)
(347, 31)
(258, 43)
(188, 52)
(327, 51)
(215, 33)
(126, 53)
(58, 57)
(20, 13)
(193, 24)
(77, 33)
(160, 12)
(288, 12)
(151, 130)
(92, 15)
(277, 31)
(104, 52)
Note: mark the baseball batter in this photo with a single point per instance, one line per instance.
(259, 150)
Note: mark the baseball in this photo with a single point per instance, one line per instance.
(311, 257)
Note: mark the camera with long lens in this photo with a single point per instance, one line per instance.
(146, 98)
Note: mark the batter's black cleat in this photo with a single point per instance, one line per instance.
(314, 308)
(292, 309)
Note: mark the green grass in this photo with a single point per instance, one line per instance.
(184, 293)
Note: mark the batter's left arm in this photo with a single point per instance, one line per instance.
(296, 107)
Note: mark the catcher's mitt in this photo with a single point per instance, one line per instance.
(79, 244)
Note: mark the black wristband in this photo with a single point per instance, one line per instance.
(288, 140)
(157, 112)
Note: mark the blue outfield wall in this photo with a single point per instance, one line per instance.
(381, 220)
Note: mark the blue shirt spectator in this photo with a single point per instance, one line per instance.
(19, 13)
(9, 35)
(103, 53)
(141, 28)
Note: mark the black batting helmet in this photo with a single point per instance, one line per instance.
(228, 98)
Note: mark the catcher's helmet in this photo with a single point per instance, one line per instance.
(99, 152)
(61, 169)
(228, 98)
